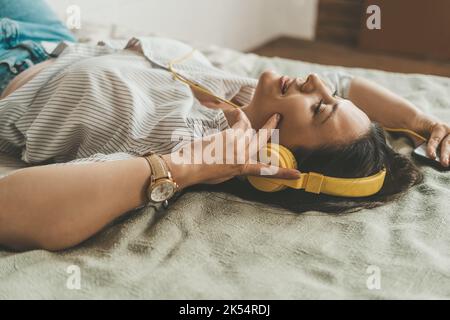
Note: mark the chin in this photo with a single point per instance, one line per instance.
(265, 88)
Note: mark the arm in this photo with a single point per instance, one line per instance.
(384, 106)
(393, 111)
(58, 206)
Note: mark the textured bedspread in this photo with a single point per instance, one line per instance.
(216, 246)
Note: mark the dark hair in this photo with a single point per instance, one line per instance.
(364, 157)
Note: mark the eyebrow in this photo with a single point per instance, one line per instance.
(333, 111)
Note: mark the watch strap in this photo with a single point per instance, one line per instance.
(158, 166)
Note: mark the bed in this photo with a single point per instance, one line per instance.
(217, 246)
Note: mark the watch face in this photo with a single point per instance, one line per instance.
(162, 191)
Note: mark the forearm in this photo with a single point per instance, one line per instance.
(55, 207)
(384, 106)
(70, 202)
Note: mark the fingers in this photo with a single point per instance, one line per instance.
(437, 135)
(263, 135)
(242, 121)
(262, 169)
(272, 122)
(445, 151)
(440, 136)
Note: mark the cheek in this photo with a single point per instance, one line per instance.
(297, 127)
(294, 111)
(299, 134)
(294, 128)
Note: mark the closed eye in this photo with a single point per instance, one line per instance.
(319, 105)
(317, 108)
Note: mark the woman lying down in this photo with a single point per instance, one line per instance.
(95, 104)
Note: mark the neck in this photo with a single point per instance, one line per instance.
(256, 116)
(248, 110)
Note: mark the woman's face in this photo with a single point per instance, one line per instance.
(311, 115)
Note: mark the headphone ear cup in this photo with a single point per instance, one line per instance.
(289, 157)
(279, 155)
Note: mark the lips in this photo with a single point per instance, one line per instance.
(286, 82)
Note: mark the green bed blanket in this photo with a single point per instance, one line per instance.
(217, 246)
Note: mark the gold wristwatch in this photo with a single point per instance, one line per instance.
(162, 186)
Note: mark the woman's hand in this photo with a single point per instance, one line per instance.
(439, 138)
(235, 155)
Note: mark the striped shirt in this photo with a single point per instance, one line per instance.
(101, 103)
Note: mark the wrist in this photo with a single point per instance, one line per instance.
(183, 174)
(423, 124)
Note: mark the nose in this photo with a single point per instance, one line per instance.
(312, 83)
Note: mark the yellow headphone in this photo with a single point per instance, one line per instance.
(314, 182)
(310, 182)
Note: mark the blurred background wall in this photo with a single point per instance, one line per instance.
(414, 34)
(238, 24)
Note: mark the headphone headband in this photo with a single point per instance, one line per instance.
(317, 183)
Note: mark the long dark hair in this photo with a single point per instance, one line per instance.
(363, 157)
